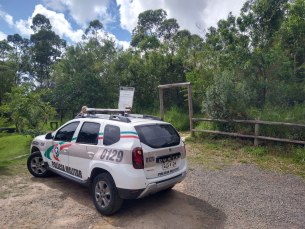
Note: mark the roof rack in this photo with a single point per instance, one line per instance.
(143, 116)
(114, 114)
(118, 117)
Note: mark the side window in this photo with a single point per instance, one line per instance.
(66, 133)
(88, 134)
(111, 135)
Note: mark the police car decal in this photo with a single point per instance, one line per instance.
(56, 150)
(129, 134)
(100, 136)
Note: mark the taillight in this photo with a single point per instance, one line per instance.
(184, 150)
(137, 158)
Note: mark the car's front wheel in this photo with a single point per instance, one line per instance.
(36, 165)
(104, 194)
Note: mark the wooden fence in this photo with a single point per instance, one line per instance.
(190, 101)
(256, 136)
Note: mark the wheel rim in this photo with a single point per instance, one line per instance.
(102, 194)
(37, 165)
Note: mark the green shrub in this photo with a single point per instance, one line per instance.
(299, 154)
(179, 119)
(258, 151)
(27, 108)
(227, 98)
(295, 114)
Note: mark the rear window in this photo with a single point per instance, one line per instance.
(158, 136)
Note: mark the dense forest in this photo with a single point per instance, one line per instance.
(248, 66)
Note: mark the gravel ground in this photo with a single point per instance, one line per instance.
(250, 197)
(237, 196)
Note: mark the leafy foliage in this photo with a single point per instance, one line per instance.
(27, 108)
(248, 66)
(226, 99)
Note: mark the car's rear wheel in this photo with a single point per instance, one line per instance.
(36, 165)
(104, 194)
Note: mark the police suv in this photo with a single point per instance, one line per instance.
(119, 156)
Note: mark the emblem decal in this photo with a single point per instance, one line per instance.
(56, 152)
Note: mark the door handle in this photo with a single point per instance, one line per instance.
(66, 150)
(90, 154)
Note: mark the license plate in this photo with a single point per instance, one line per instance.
(169, 164)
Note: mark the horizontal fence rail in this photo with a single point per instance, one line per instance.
(256, 134)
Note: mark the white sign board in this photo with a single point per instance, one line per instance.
(126, 97)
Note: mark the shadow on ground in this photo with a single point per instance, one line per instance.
(167, 209)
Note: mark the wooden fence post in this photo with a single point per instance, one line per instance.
(256, 132)
(161, 103)
(189, 92)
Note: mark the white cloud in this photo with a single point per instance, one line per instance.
(61, 27)
(9, 19)
(187, 12)
(124, 44)
(2, 36)
(106, 35)
(55, 5)
(59, 24)
(83, 11)
(24, 27)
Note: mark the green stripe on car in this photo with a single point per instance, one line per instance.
(129, 132)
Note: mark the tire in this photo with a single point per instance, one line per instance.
(105, 195)
(36, 165)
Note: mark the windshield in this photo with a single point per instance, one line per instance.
(158, 135)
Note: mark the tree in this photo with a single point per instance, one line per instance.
(20, 45)
(4, 50)
(293, 33)
(7, 79)
(93, 28)
(27, 107)
(168, 29)
(149, 21)
(46, 49)
(84, 76)
(40, 22)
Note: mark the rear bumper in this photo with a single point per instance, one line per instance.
(162, 185)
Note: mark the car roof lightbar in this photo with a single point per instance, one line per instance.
(106, 111)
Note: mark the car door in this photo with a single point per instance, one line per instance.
(57, 154)
(87, 145)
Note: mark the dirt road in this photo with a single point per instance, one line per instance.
(239, 196)
(56, 202)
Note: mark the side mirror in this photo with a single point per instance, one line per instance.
(48, 136)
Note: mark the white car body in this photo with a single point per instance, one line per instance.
(82, 162)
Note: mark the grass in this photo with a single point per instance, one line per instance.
(212, 152)
(11, 146)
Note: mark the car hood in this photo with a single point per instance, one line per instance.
(40, 137)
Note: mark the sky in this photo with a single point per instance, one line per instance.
(70, 18)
